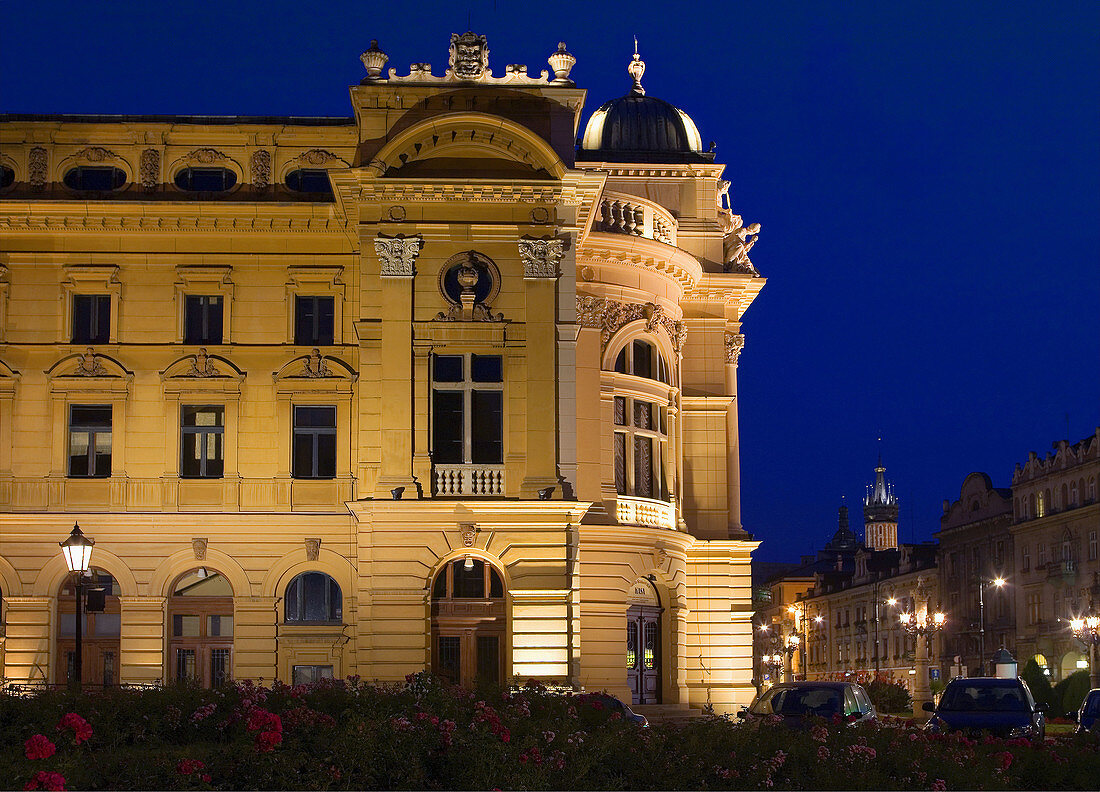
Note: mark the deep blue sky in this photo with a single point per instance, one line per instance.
(927, 176)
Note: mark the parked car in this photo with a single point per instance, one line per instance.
(796, 701)
(613, 704)
(1089, 715)
(1002, 707)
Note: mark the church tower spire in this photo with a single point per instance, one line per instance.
(880, 512)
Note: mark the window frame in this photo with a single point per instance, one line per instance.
(467, 386)
(204, 433)
(96, 335)
(298, 581)
(630, 432)
(315, 339)
(92, 431)
(204, 337)
(315, 433)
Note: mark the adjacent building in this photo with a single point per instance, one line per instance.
(427, 387)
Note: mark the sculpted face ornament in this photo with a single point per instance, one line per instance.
(469, 56)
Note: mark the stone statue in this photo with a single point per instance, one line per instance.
(469, 58)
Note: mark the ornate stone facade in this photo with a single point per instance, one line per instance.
(397, 255)
(541, 257)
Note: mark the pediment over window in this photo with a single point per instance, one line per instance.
(89, 371)
(315, 372)
(202, 372)
(8, 378)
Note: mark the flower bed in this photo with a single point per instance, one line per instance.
(423, 735)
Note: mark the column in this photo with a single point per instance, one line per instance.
(541, 261)
(396, 256)
(734, 343)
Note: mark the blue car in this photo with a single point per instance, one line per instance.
(794, 702)
(1001, 707)
(1089, 713)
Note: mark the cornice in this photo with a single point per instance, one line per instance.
(59, 216)
(601, 248)
(481, 192)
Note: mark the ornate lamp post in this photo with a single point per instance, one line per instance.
(1086, 629)
(774, 663)
(790, 646)
(923, 624)
(999, 583)
(798, 613)
(77, 550)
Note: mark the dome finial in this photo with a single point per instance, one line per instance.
(636, 69)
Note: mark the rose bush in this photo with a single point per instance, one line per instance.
(426, 735)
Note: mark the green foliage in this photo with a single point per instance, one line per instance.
(1069, 693)
(426, 735)
(889, 695)
(1039, 684)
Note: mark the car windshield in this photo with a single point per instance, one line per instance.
(824, 702)
(983, 698)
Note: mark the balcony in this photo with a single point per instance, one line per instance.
(1061, 573)
(628, 214)
(644, 511)
(469, 481)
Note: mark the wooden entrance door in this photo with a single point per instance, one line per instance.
(469, 657)
(643, 653)
(468, 624)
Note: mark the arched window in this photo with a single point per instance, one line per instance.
(314, 597)
(468, 623)
(643, 359)
(468, 578)
(7, 177)
(200, 624)
(1073, 493)
(1064, 504)
(95, 178)
(206, 179)
(101, 627)
(309, 180)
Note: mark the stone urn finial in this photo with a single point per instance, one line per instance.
(636, 68)
(562, 63)
(374, 59)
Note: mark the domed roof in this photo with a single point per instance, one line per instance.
(637, 127)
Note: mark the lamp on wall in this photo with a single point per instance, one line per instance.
(397, 492)
(468, 564)
(546, 493)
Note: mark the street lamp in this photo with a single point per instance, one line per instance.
(77, 549)
(798, 615)
(1086, 629)
(999, 583)
(923, 626)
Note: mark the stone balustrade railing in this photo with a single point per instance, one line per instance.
(645, 511)
(478, 481)
(628, 214)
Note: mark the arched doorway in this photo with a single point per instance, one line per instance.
(200, 628)
(102, 629)
(468, 623)
(1072, 662)
(643, 643)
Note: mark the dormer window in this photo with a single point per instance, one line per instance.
(96, 178)
(309, 180)
(642, 359)
(206, 179)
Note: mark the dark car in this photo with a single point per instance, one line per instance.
(1001, 707)
(796, 701)
(612, 704)
(1089, 714)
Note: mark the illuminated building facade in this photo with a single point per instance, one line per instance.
(426, 388)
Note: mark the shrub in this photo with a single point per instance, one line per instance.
(1039, 685)
(1070, 692)
(889, 695)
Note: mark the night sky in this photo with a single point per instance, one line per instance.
(927, 176)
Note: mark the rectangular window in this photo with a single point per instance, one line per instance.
(219, 666)
(1042, 555)
(91, 318)
(620, 463)
(314, 443)
(1094, 546)
(90, 441)
(643, 467)
(1025, 559)
(308, 674)
(201, 441)
(219, 626)
(314, 321)
(185, 665)
(184, 626)
(1034, 607)
(202, 321)
(467, 409)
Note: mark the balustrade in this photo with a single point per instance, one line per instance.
(622, 214)
(479, 481)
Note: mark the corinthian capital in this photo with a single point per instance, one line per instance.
(541, 257)
(735, 342)
(398, 254)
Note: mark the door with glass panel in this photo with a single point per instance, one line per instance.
(102, 630)
(643, 654)
(468, 624)
(200, 629)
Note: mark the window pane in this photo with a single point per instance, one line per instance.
(219, 626)
(303, 455)
(439, 588)
(91, 416)
(620, 361)
(620, 463)
(108, 624)
(78, 453)
(487, 427)
(326, 455)
(102, 454)
(450, 658)
(486, 368)
(292, 600)
(469, 584)
(185, 664)
(91, 318)
(184, 626)
(488, 659)
(496, 585)
(325, 321)
(324, 417)
(315, 587)
(643, 415)
(190, 463)
(215, 460)
(219, 666)
(643, 359)
(620, 411)
(447, 368)
(305, 309)
(643, 467)
(192, 321)
(447, 427)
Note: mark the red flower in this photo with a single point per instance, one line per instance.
(267, 741)
(260, 720)
(39, 747)
(189, 766)
(206, 777)
(82, 731)
(52, 782)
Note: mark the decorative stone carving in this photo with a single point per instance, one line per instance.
(396, 214)
(465, 305)
(37, 163)
(260, 167)
(89, 365)
(740, 245)
(469, 56)
(610, 315)
(95, 154)
(540, 214)
(562, 63)
(198, 547)
(313, 549)
(149, 171)
(201, 365)
(735, 342)
(398, 255)
(315, 365)
(374, 60)
(316, 157)
(206, 156)
(469, 533)
(541, 257)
